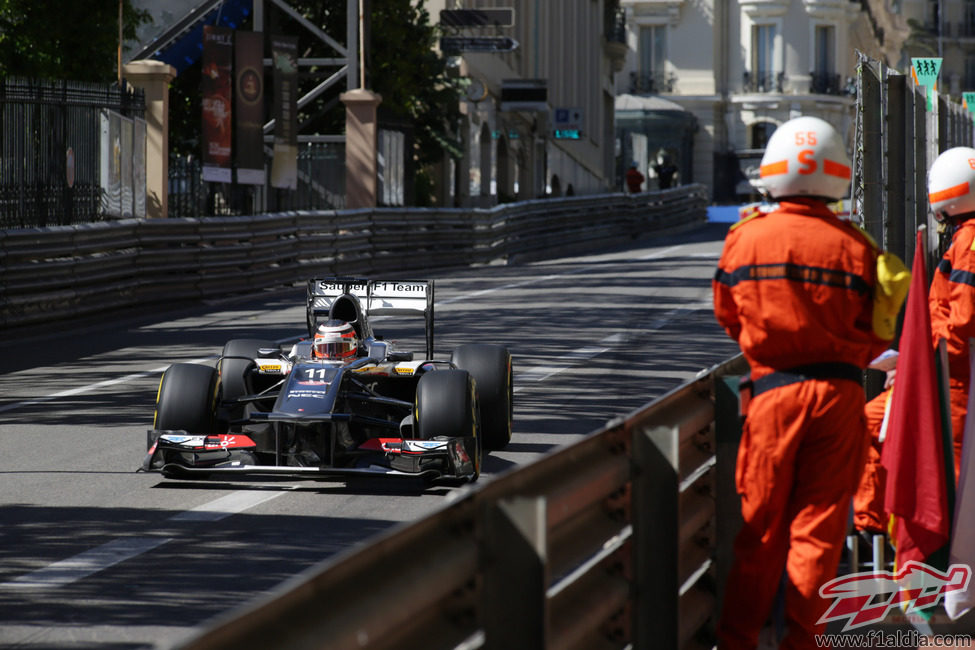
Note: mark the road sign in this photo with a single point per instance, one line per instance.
(926, 74)
(968, 99)
(496, 17)
(456, 44)
(567, 118)
(524, 95)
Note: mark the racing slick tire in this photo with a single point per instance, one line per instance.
(237, 358)
(490, 365)
(186, 398)
(446, 406)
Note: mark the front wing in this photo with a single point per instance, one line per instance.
(178, 454)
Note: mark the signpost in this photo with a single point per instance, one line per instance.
(567, 123)
(457, 44)
(496, 17)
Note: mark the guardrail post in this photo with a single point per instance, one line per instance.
(655, 538)
(515, 578)
(727, 435)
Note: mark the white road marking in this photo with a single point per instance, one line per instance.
(119, 550)
(541, 373)
(225, 506)
(87, 563)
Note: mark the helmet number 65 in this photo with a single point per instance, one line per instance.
(805, 137)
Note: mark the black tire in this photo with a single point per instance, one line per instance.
(236, 360)
(446, 406)
(490, 365)
(186, 399)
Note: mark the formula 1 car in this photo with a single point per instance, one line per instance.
(264, 411)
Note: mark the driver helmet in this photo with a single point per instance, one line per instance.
(336, 340)
(951, 183)
(806, 157)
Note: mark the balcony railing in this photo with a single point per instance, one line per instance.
(651, 83)
(615, 23)
(765, 82)
(827, 83)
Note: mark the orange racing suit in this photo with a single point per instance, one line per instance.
(795, 289)
(952, 302)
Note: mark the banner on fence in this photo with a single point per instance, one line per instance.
(215, 79)
(284, 166)
(249, 106)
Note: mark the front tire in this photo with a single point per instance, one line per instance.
(446, 406)
(187, 399)
(490, 365)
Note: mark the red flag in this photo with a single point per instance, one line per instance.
(913, 452)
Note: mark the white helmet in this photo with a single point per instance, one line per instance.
(334, 339)
(806, 157)
(951, 183)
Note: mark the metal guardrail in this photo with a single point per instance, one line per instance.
(610, 542)
(68, 271)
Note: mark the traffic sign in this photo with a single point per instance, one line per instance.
(455, 44)
(968, 99)
(925, 72)
(567, 118)
(497, 17)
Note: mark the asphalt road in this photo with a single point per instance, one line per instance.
(95, 554)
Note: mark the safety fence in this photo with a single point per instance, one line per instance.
(69, 152)
(614, 541)
(68, 271)
(895, 141)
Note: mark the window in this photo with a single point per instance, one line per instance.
(762, 76)
(968, 26)
(653, 56)
(969, 81)
(824, 78)
(761, 132)
(763, 47)
(825, 48)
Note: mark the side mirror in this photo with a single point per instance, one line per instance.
(400, 356)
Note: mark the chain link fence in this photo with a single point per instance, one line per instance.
(895, 141)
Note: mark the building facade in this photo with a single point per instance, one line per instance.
(740, 68)
(946, 29)
(539, 116)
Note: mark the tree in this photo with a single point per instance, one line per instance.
(64, 39)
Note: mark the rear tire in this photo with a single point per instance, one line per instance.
(446, 406)
(186, 399)
(232, 368)
(490, 365)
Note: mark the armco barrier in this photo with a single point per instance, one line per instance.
(619, 540)
(63, 271)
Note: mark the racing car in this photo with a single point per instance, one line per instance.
(370, 409)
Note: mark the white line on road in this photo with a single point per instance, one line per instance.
(117, 551)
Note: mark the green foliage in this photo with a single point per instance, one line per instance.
(64, 39)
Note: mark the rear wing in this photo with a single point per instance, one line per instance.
(376, 297)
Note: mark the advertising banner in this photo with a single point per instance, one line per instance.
(215, 79)
(284, 166)
(249, 106)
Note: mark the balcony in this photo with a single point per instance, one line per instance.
(651, 83)
(765, 82)
(827, 83)
(615, 32)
